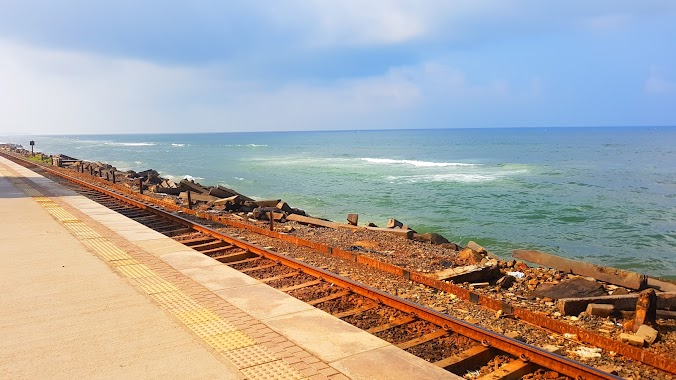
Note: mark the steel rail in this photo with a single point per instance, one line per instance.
(488, 338)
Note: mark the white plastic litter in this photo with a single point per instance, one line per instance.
(588, 352)
(516, 274)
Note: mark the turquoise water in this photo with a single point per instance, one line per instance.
(605, 195)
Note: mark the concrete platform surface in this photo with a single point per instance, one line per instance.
(89, 293)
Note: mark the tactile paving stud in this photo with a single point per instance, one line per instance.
(136, 271)
(60, 214)
(80, 230)
(229, 341)
(151, 285)
(250, 356)
(215, 327)
(176, 302)
(273, 370)
(105, 249)
(197, 316)
(119, 263)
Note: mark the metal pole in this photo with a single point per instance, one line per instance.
(140, 185)
(272, 221)
(113, 174)
(189, 201)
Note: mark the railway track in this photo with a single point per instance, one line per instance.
(448, 342)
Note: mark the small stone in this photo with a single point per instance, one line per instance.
(631, 339)
(352, 219)
(513, 335)
(479, 285)
(393, 223)
(647, 333)
(506, 281)
(552, 348)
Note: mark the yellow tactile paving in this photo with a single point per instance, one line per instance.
(152, 285)
(200, 315)
(214, 327)
(119, 263)
(255, 360)
(59, 214)
(176, 302)
(229, 341)
(136, 271)
(80, 230)
(105, 249)
(251, 356)
(273, 370)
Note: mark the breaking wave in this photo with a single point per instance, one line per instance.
(248, 145)
(416, 163)
(130, 144)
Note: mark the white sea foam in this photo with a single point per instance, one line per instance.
(456, 177)
(130, 144)
(248, 145)
(178, 145)
(388, 161)
(179, 177)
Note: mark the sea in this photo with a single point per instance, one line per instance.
(602, 195)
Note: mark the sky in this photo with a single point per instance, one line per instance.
(98, 67)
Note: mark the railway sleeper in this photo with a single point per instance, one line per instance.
(158, 224)
(425, 338)
(397, 322)
(177, 232)
(148, 218)
(236, 256)
(329, 297)
(261, 267)
(300, 286)
(216, 243)
(356, 310)
(467, 360)
(197, 240)
(279, 277)
(222, 249)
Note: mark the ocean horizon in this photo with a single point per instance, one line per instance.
(605, 195)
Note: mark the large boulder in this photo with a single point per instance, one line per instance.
(431, 238)
(469, 256)
(573, 288)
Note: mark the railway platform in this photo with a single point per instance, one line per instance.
(90, 293)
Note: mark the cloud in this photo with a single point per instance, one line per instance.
(607, 22)
(72, 92)
(658, 83)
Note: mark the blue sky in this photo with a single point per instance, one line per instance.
(205, 66)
